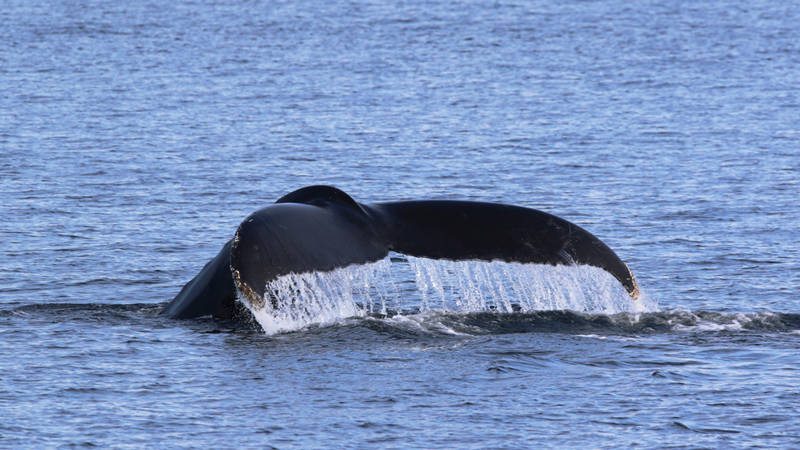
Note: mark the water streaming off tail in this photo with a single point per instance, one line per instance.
(475, 286)
(297, 300)
(401, 283)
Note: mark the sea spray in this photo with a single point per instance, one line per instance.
(402, 283)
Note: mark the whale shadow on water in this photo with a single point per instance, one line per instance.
(321, 229)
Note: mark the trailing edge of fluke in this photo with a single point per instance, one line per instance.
(321, 228)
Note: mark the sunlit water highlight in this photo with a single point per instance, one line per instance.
(295, 301)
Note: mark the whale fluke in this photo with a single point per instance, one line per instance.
(321, 228)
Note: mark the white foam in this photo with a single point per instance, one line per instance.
(734, 322)
(295, 301)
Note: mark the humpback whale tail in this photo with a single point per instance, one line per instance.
(321, 228)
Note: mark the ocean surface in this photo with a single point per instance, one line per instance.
(135, 136)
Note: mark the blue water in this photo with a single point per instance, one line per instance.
(135, 136)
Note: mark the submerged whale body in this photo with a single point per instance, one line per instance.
(321, 228)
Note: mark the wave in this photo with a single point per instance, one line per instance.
(571, 322)
(427, 323)
(404, 295)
